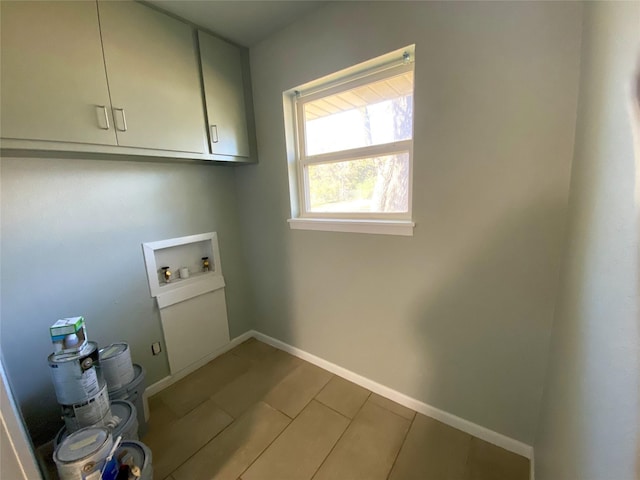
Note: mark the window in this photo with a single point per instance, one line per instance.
(354, 148)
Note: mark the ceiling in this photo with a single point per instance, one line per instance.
(244, 22)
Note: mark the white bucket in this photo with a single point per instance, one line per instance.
(94, 411)
(82, 455)
(74, 375)
(116, 365)
(136, 454)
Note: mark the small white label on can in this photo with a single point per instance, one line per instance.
(89, 381)
(92, 412)
(84, 443)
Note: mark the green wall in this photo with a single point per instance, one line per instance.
(459, 315)
(71, 245)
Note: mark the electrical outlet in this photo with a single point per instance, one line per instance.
(155, 348)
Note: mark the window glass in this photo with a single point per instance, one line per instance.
(371, 114)
(376, 184)
(354, 148)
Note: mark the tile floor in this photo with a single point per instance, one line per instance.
(257, 413)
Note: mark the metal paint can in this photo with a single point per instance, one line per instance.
(116, 365)
(123, 422)
(136, 454)
(94, 411)
(60, 436)
(74, 375)
(82, 455)
(133, 392)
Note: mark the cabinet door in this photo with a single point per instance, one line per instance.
(224, 96)
(153, 75)
(53, 84)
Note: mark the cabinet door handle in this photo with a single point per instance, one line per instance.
(214, 134)
(124, 120)
(106, 117)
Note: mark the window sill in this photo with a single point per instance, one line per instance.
(381, 227)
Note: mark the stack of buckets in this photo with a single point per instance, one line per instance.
(100, 393)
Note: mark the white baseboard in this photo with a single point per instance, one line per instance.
(471, 428)
(454, 421)
(173, 378)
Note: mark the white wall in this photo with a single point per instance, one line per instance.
(459, 315)
(72, 234)
(17, 460)
(590, 422)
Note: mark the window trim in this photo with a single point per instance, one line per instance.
(351, 225)
(383, 66)
(378, 219)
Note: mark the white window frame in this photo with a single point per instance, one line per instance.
(395, 223)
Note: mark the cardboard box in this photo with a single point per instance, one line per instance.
(68, 335)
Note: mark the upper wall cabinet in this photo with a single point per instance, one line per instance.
(53, 84)
(153, 75)
(119, 77)
(225, 97)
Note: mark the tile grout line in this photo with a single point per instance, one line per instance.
(467, 460)
(395, 460)
(270, 443)
(207, 443)
(188, 411)
(291, 419)
(215, 404)
(340, 437)
(467, 468)
(288, 425)
(233, 420)
(397, 414)
(283, 430)
(227, 427)
(330, 407)
(306, 404)
(276, 408)
(159, 394)
(333, 409)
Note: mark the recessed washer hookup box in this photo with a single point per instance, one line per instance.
(68, 335)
